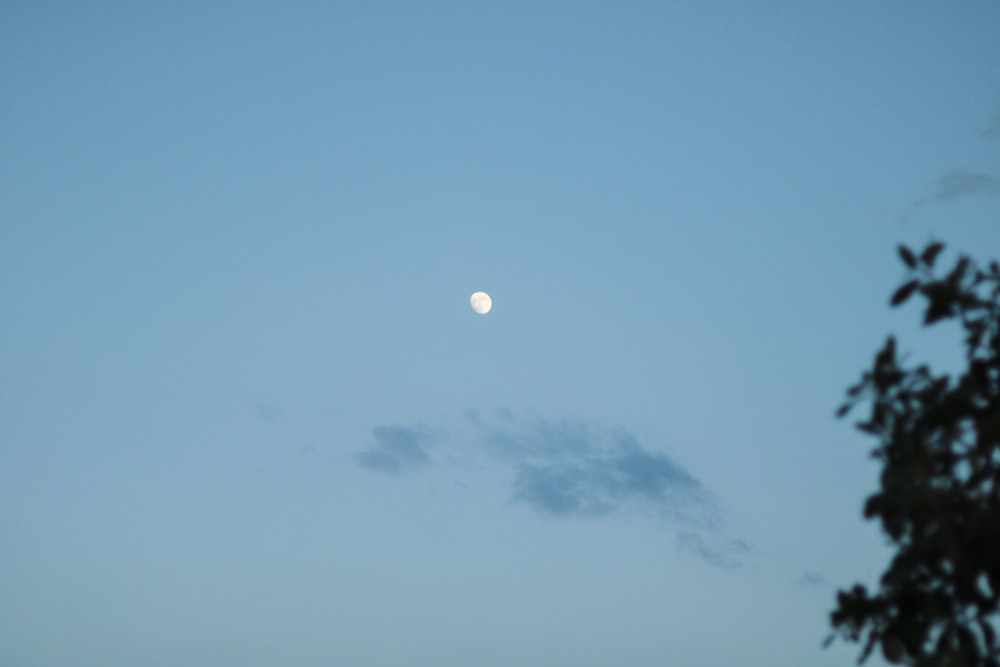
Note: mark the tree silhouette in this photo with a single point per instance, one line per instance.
(939, 501)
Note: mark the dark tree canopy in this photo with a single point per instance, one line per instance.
(939, 501)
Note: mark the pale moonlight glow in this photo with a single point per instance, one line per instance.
(481, 302)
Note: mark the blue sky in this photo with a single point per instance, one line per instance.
(248, 416)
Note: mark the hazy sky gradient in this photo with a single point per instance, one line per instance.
(247, 416)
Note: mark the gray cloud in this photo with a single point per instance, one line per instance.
(957, 184)
(576, 469)
(396, 449)
(560, 490)
(613, 476)
(565, 469)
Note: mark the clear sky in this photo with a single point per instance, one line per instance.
(248, 417)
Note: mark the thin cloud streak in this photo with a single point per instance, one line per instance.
(396, 450)
(516, 438)
(957, 184)
(725, 553)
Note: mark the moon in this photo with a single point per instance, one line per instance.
(481, 302)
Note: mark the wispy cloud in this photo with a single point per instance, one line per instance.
(957, 184)
(396, 449)
(513, 437)
(560, 490)
(565, 469)
(723, 552)
(609, 471)
(621, 478)
(811, 579)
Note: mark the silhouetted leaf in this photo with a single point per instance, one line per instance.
(940, 297)
(930, 254)
(904, 293)
(873, 506)
(974, 338)
(885, 356)
(869, 645)
(892, 649)
(988, 632)
(867, 427)
(956, 275)
(907, 256)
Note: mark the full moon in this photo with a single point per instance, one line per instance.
(481, 302)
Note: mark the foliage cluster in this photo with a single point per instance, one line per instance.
(939, 498)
